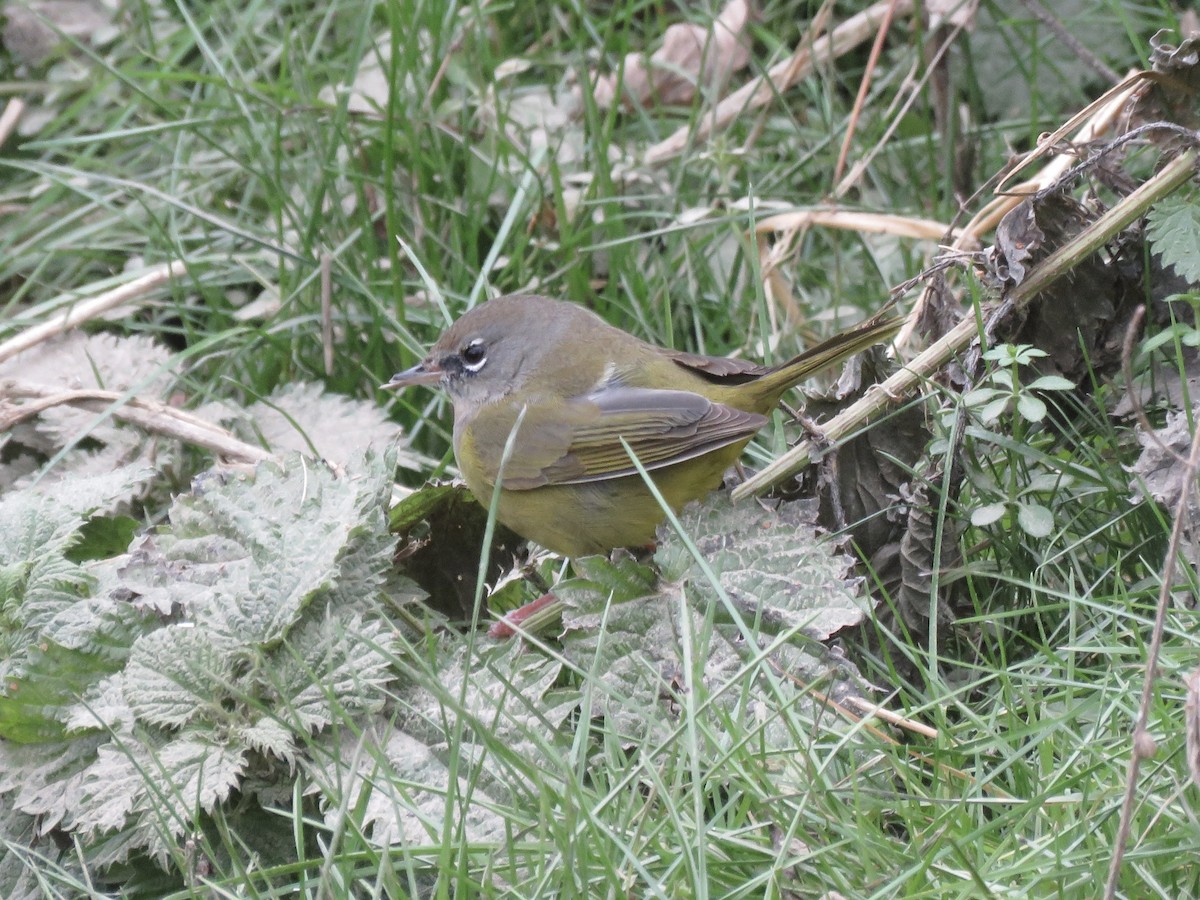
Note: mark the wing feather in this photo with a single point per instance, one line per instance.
(581, 442)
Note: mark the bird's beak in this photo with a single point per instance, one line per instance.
(426, 371)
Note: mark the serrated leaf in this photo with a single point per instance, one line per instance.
(46, 780)
(154, 788)
(35, 705)
(632, 649)
(302, 417)
(406, 787)
(198, 773)
(104, 708)
(32, 522)
(503, 691)
(244, 556)
(22, 878)
(1173, 229)
(774, 564)
(270, 737)
(331, 665)
(1034, 519)
(114, 784)
(135, 364)
(777, 573)
(177, 673)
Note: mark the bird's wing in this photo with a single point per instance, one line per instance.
(580, 441)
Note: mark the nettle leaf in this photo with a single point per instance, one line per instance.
(35, 705)
(154, 789)
(333, 665)
(631, 651)
(649, 650)
(114, 783)
(19, 877)
(1173, 228)
(270, 737)
(39, 584)
(406, 789)
(104, 707)
(245, 555)
(38, 523)
(302, 417)
(502, 694)
(180, 673)
(277, 580)
(135, 364)
(647, 658)
(46, 780)
(774, 565)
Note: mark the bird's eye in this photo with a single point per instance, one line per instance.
(474, 355)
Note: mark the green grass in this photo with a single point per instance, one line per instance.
(221, 134)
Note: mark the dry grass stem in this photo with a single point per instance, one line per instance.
(9, 118)
(780, 77)
(908, 380)
(863, 86)
(1142, 744)
(149, 415)
(1097, 118)
(84, 310)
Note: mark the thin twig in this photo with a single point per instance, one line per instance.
(779, 78)
(150, 415)
(1053, 267)
(864, 85)
(9, 118)
(1142, 743)
(327, 310)
(84, 310)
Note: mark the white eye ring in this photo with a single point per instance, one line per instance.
(474, 356)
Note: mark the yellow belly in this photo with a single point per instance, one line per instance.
(580, 519)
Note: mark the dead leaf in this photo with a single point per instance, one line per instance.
(691, 56)
(1157, 476)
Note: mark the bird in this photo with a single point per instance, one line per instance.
(571, 397)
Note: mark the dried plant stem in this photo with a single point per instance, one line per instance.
(1142, 744)
(13, 111)
(907, 380)
(84, 310)
(327, 311)
(863, 86)
(150, 415)
(1094, 120)
(781, 76)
